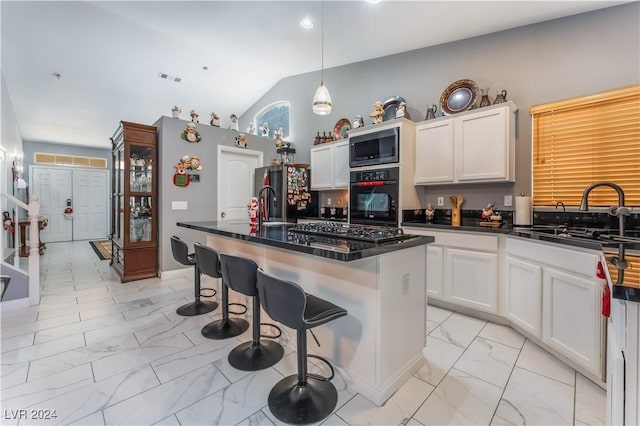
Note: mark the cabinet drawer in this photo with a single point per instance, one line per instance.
(570, 260)
(459, 239)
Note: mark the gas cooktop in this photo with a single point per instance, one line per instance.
(367, 233)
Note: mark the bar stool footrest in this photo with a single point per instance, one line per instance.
(295, 403)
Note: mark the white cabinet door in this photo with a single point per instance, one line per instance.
(571, 316)
(471, 279)
(321, 167)
(341, 164)
(435, 275)
(482, 146)
(523, 295)
(434, 152)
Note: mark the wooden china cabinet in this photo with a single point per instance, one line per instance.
(134, 198)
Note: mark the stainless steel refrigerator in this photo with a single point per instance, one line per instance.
(293, 198)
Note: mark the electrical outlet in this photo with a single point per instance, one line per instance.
(329, 201)
(440, 201)
(508, 200)
(405, 284)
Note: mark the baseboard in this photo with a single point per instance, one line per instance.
(10, 305)
(174, 273)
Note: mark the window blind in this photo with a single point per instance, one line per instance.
(579, 141)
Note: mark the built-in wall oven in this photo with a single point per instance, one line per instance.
(375, 148)
(373, 196)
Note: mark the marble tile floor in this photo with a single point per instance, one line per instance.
(99, 352)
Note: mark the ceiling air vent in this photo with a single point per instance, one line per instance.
(169, 77)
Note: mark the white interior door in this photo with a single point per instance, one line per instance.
(90, 204)
(53, 187)
(236, 170)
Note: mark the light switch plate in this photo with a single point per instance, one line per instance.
(440, 201)
(179, 205)
(508, 200)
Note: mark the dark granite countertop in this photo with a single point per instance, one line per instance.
(629, 290)
(278, 235)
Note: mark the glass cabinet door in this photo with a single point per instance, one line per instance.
(140, 193)
(119, 206)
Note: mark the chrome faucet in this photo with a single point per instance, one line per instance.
(261, 200)
(620, 210)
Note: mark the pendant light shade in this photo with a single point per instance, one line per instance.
(322, 99)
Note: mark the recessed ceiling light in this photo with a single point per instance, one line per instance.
(306, 23)
(374, 1)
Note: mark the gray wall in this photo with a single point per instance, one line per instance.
(202, 197)
(30, 147)
(536, 64)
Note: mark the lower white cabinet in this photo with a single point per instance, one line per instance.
(462, 269)
(571, 318)
(435, 272)
(523, 294)
(471, 279)
(552, 293)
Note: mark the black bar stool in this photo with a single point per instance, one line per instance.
(240, 275)
(181, 254)
(209, 263)
(303, 398)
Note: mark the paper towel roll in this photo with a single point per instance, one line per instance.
(524, 211)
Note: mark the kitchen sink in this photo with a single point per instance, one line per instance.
(601, 234)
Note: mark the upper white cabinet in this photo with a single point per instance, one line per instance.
(330, 165)
(474, 146)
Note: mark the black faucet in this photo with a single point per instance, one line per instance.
(261, 204)
(620, 210)
(564, 213)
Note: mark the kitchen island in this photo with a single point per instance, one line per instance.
(379, 344)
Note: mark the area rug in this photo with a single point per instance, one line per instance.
(102, 248)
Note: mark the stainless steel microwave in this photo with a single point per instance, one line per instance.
(381, 147)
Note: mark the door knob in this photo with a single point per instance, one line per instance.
(223, 215)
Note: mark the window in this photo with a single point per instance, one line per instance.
(579, 141)
(276, 115)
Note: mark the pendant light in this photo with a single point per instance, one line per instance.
(322, 99)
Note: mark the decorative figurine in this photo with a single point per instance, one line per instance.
(241, 141)
(277, 133)
(358, 122)
(215, 120)
(252, 210)
(401, 110)
(264, 129)
(234, 122)
(487, 212)
(192, 162)
(194, 116)
(251, 129)
(431, 112)
(175, 111)
(190, 134)
(377, 113)
(429, 212)
(181, 178)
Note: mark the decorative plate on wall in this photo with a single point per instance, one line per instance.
(459, 96)
(341, 129)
